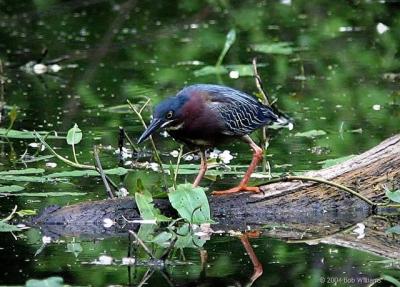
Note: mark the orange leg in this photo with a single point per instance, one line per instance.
(257, 156)
(258, 269)
(203, 168)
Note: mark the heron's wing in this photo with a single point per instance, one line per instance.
(241, 113)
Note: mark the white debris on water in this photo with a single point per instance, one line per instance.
(46, 239)
(103, 260)
(234, 74)
(51, 164)
(107, 222)
(360, 230)
(128, 261)
(376, 107)
(381, 28)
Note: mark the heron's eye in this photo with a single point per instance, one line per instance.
(170, 114)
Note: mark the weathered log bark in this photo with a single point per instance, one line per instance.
(306, 209)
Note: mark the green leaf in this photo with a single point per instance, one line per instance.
(5, 227)
(393, 230)
(187, 239)
(10, 188)
(75, 248)
(25, 134)
(393, 195)
(26, 212)
(244, 70)
(146, 231)
(49, 282)
(391, 279)
(210, 70)
(22, 171)
(230, 39)
(36, 159)
(146, 207)
(331, 162)
(119, 109)
(47, 194)
(282, 48)
(25, 178)
(74, 135)
(162, 239)
(311, 134)
(88, 172)
(191, 203)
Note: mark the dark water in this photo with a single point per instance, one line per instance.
(338, 74)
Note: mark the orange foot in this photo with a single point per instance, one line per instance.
(236, 189)
(252, 233)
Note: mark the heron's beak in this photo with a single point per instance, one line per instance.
(155, 124)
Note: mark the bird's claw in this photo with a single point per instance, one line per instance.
(240, 188)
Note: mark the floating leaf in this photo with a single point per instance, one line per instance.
(191, 203)
(36, 159)
(311, 134)
(391, 279)
(243, 70)
(146, 207)
(10, 188)
(26, 212)
(26, 178)
(394, 229)
(22, 171)
(74, 135)
(210, 70)
(393, 195)
(5, 227)
(75, 248)
(49, 282)
(47, 194)
(88, 172)
(282, 48)
(119, 109)
(25, 134)
(331, 162)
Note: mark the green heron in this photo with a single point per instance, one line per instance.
(204, 116)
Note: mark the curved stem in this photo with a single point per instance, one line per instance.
(63, 159)
(324, 181)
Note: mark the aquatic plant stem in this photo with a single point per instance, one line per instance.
(266, 101)
(101, 171)
(178, 162)
(139, 115)
(141, 243)
(10, 215)
(324, 181)
(63, 159)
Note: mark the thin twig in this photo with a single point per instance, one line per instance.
(156, 154)
(134, 147)
(177, 164)
(259, 84)
(11, 214)
(101, 171)
(266, 101)
(146, 277)
(141, 243)
(2, 103)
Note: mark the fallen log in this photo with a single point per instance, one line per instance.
(307, 210)
(366, 173)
